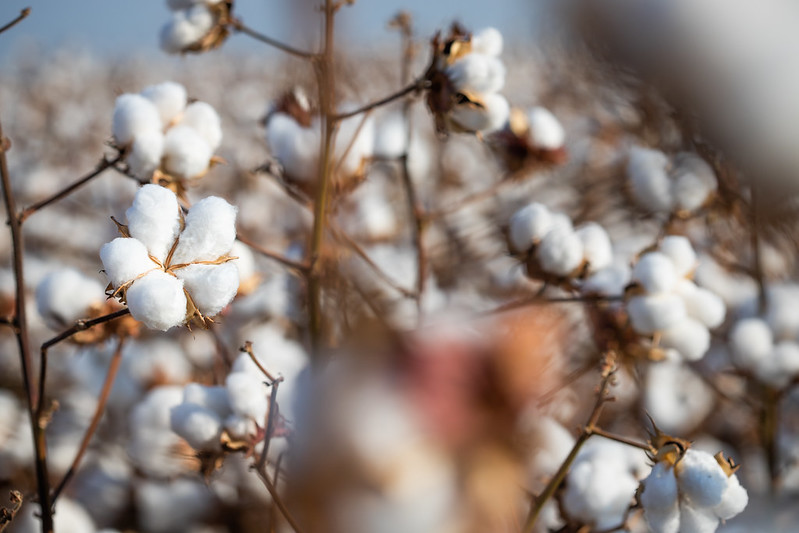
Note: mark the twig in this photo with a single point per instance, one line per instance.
(239, 26)
(624, 440)
(468, 200)
(278, 500)
(102, 166)
(98, 415)
(23, 342)
(247, 348)
(418, 85)
(7, 515)
(285, 261)
(540, 300)
(22, 15)
(83, 325)
(274, 411)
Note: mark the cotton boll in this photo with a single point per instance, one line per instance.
(204, 120)
(64, 296)
(649, 181)
(134, 115)
(487, 41)
(528, 226)
(655, 272)
(185, 28)
(689, 337)
(706, 307)
(597, 249)
(248, 396)
(694, 182)
(209, 233)
(155, 361)
(560, 251)
(125, 259)
(186, 153)
(545, 131)
(676, 398)
(172, 506)
(201, 427)
(734, 500)
(158, 301)
(477, 73)
(751, 342)
(696, 520)
(782, 366)
(214, 398)
(211, 287)
(169, 97)
(145, 154)
(241, 427)
(599, 492)
(610, 281)
(701, 478)
(659, 489)
(245, 260)
(781, 312)
(391, 135)
(492, 115)
(154, 219)
(663, 521)
(679, 250)
(656, 312)
(296, 147)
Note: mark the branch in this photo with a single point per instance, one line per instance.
(83, 325)
(98, 415)
(278, 501)
(7, 515)
(418, 85)
(274, 410)
(302, 268)
(539, 300)
(102, 166)
(22, 15)
(239, 26)
(247, 348)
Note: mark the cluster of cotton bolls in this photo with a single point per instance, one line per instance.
(169, 270)
(669, 305)
(558, 248)
(660, 184)
(192, 25)
(767, 346)
(691, 492)
(158, 130)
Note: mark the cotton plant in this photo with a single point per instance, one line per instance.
(164, 137)
(533, 136)
(195, 25)
(170, 269)
(679, 185)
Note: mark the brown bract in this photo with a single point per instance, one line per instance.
(217, 35)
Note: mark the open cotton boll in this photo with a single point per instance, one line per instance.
(697, 520)
(681, 252)
(477, 73)
(610, 281)
(209, 233)
(240, 427)
(134, 115)
(706, 307)
(663, 520)
(65, 296)
(545, 131)
(487, 41)
(655, 312)
(295, 147)
(211, 397)
(528, 226)
(659, 488)
(158, 301)
(185, 28)
(125, 259)
(204, 119)
(560, 251)
(599, 492)
(492, 115)
(169, 97)
(751, 341)
(733, 501)
(694, 181)
(154, 219)
(245, 260)
(689, 337)
(649, 180)
(186, 153)
(391, 135)
(145, 154)
(655, 272)
(201, 427)
(700, 478)
(597, 249)
(211, 287)
(248, 396)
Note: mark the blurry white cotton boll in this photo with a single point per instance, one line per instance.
(487, 41)
(295, 147)
(65, 296)
(477, 73)
(134, 115)
(681, 252)
(201, 427)
(186, 152)
(204, 120)
(655, 272)
(248, 396)
(69, 517)
(656, 312)
(694, 181)
(173, 506)
(156, 360)
(545, 130)
(676, 398)
(528, 226)
(781, 312)
(185, 28)
(597, 249)
(491, 114)
(391, 135)
(560, 251)
(169, 97)
(648, 173)
(609, 281)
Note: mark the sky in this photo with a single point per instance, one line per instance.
(119, 27)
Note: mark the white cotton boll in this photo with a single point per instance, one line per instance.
(560, 251)
(528, 226)
(134, 115)
(597, 250)
(153, 412)
(659, 489)
(689, 337)
(245, 260)
(248, 396)
(154, 219)
(185, 28)
(491, 116)
(663, 520)
(158, 301)
(240, 427)
(477, 73)
(391, 135)
(200, 427)
(781, 312)
(211, 287)
(701, 478)
(125, 259)
(655, 312)
(779, 369)
(681, 252)
(214, 398)
(204, 119)
(599, 492)
(64, 296)
(545, 130)
(186, 153)
(145, 154)
(706, 307)
(751, 342)
(209, 233)
(655, 272)
(649, 181)
(295, 147)
(355, 143)
(178, 505)
(696, 520)
(487, 41)
(610, 281)
(169, 97)
(734, 500)
(694, 181)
